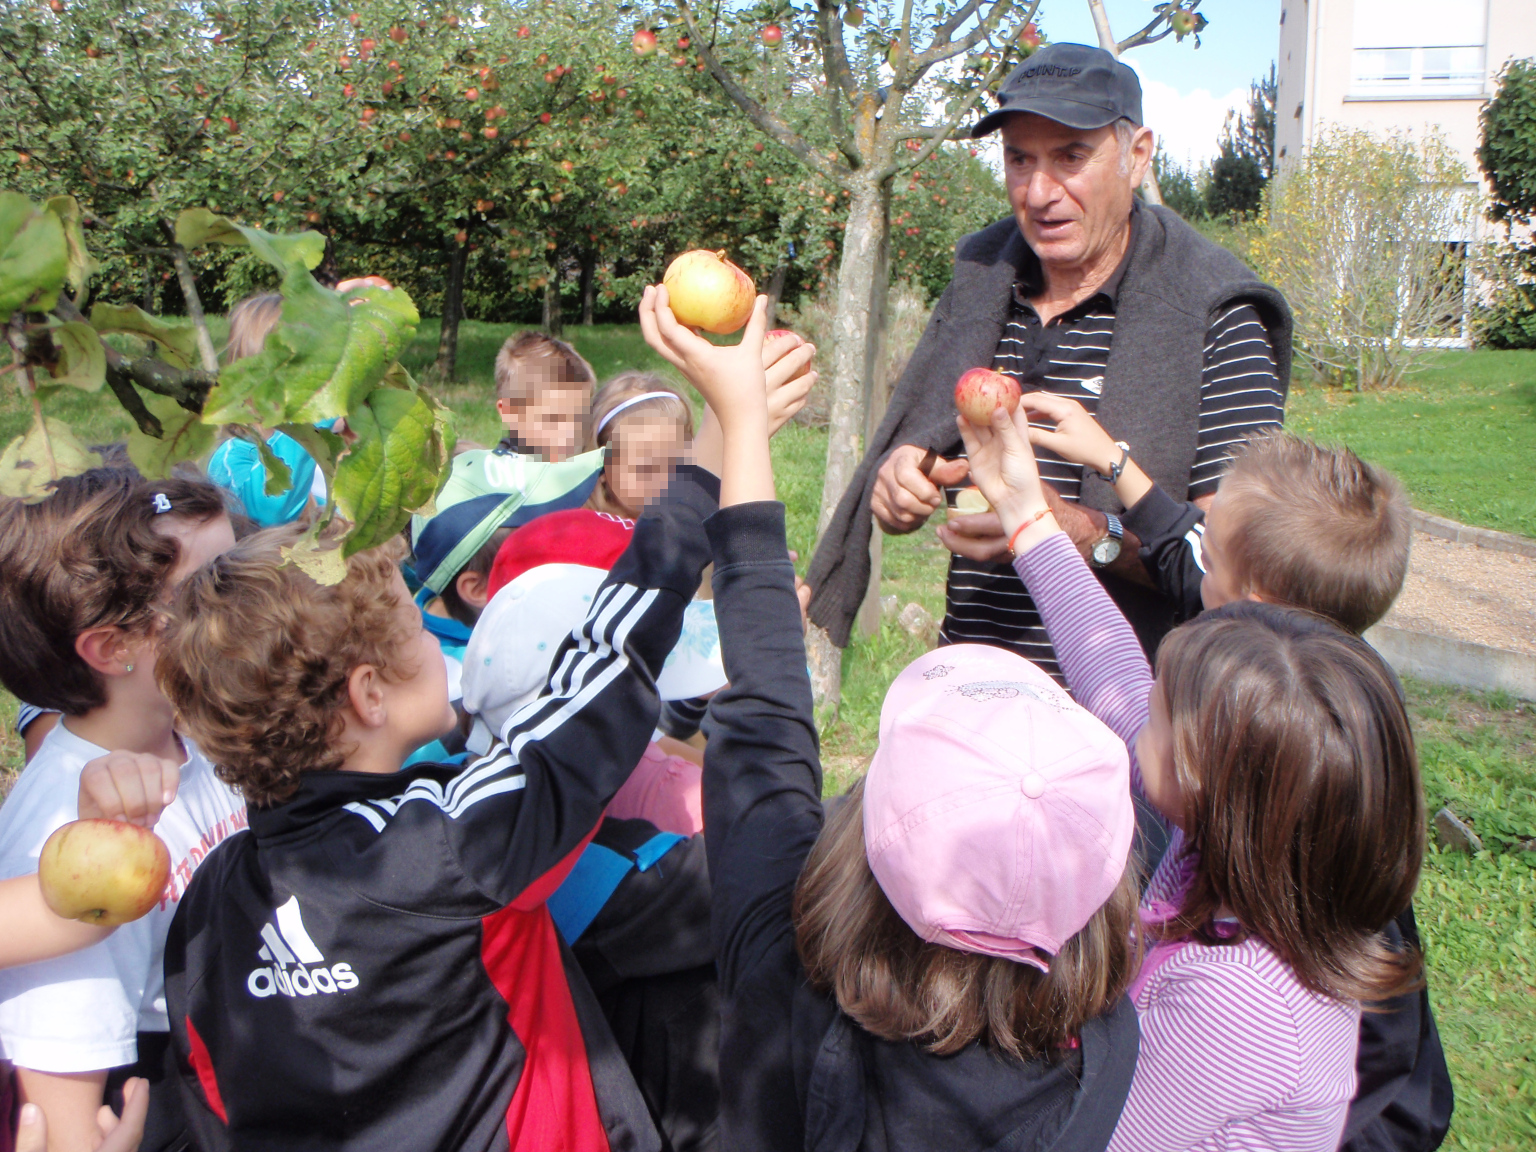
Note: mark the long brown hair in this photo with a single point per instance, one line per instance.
(1300, 783)
(898, 986)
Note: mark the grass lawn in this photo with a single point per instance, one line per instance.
(1461, 436)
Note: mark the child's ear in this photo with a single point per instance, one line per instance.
(365, 692)
(504, 407)
(105, 650)
(474, 589)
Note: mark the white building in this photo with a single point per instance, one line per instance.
(1399, 66)
(1394, 65)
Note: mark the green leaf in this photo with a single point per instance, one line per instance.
(81, 266)
(34, 256)
(48, 452)
(279, 475)
(323, 445)
(177, 339)
(323, 563)
(326, 354)
(183, 436)
(82, 360)
(394, 468)
(198, 226)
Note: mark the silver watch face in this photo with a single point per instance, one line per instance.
(1106, 551)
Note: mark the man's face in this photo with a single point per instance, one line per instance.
(1070, 189)
(551, 423)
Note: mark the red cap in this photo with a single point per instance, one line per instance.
(574, 536)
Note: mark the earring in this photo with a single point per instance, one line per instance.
(127, 667)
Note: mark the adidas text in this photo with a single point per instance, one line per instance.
(300, 981)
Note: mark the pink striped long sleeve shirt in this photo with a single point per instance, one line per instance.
(1235, 1052)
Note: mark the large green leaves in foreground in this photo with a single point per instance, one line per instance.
(404, 444)
(34, 255)
(331, 355)
(327, 353)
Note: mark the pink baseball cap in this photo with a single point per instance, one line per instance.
(997, 811)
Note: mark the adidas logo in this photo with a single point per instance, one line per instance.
(296, 966)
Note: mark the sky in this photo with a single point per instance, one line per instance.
(1185, 91)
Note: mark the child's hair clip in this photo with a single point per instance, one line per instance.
(162, 503)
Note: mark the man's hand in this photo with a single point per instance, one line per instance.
(979, 537)
(787, 362)
(131, 786)
(904, 497)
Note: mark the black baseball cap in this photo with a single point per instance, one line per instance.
(1072, 84)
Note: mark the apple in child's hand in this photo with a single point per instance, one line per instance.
(981, 391)
(705, 290)
(104, 872)
(783, 334)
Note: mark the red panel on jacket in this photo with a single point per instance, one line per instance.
(554, 1106)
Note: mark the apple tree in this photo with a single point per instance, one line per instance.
(332, 354)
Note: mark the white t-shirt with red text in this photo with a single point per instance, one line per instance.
(83, 1012)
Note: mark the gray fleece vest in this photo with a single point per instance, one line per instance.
(1176, 284)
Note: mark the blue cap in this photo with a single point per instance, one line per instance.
(236, 465)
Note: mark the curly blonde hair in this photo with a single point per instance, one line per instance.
(256, 657)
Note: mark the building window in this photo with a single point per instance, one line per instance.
(1438, 71)
(1419, 48)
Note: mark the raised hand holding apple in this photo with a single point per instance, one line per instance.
(734, 440)
(787, 360)
(1003, 467)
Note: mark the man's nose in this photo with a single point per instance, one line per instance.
(1043, 189)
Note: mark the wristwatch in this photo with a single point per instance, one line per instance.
(1106, 550)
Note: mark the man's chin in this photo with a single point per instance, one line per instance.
(1065, 247)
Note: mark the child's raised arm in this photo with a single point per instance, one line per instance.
(1078, 437)
(1099, 653)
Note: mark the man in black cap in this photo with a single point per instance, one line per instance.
(1088, 293)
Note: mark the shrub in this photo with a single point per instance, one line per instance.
(1364, 238)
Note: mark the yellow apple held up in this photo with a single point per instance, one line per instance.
(105, 872)
(707, 291)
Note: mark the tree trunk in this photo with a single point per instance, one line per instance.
(588, 286)
(552, 313)
(861, 292)
(453, 311)
(775, 290)
(875, 398)
(188, 283)
(858, 339)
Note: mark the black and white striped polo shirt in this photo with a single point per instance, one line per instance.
(1239, 393)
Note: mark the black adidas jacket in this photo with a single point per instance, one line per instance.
(796, 1074)
(371, 966)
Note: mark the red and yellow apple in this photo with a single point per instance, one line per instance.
(981, 391)
(707, 291)
(105, 872)
(643, 42)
